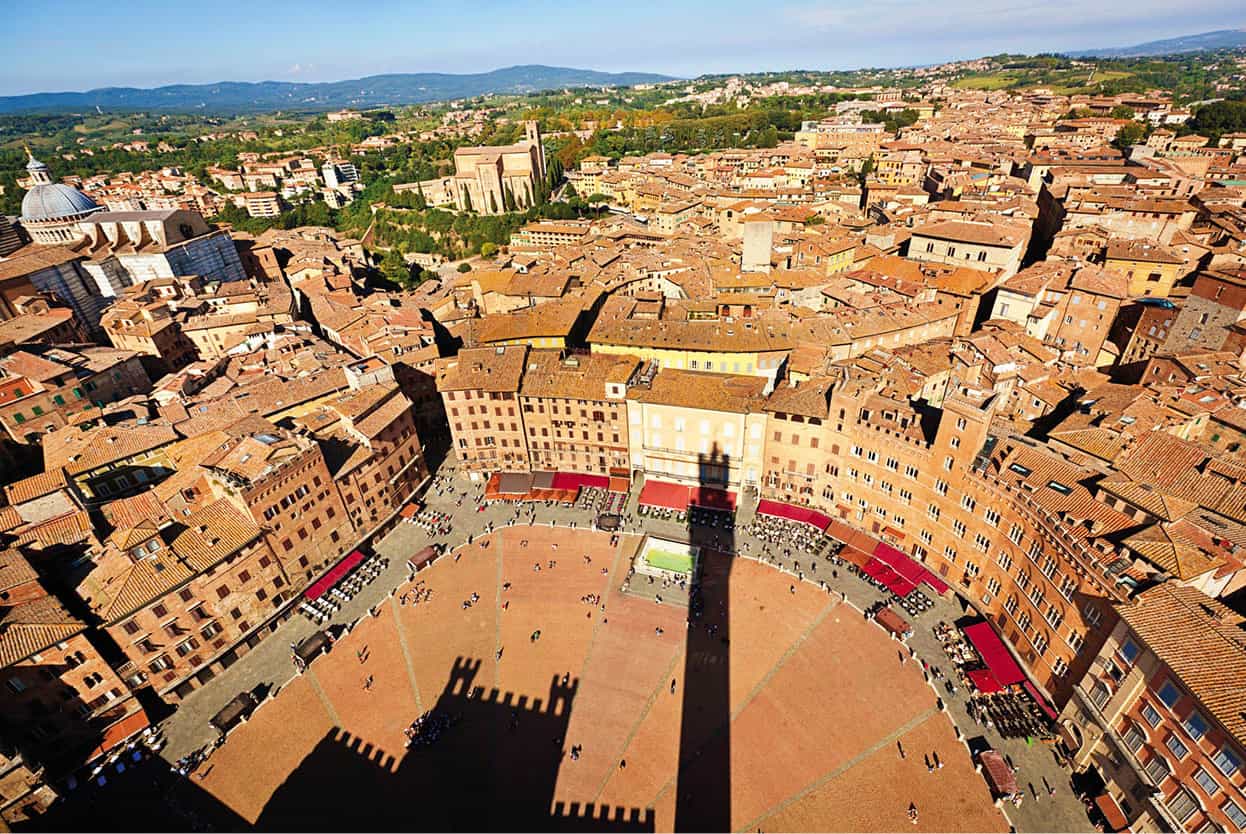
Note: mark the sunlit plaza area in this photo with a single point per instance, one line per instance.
(507, 666)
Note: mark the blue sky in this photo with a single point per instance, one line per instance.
(83, 44)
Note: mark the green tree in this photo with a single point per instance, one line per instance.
(395, 268)
(488, 249)
(493, 203)
(1218, 118)
(465, 267)
(1130, 134)
(1122, 111)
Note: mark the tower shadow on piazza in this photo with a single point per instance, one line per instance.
(703, 802)
(495, 759)
(491, 764)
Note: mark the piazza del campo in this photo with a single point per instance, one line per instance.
(549, 449)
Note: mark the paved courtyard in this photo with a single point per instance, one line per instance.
(820, 704)
(817, 700)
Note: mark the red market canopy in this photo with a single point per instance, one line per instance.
(793, 513)
(855, 556)
(909, 568)
(994, 653)
(663, 494)
(890, 579)
(619, 484)
(579, 480)
(851, 537)
(1040, 700)
(712, 498)
(983, 681)
(335, 575)
(119, 733)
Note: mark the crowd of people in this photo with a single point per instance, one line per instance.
(416, 594)
(427, 729)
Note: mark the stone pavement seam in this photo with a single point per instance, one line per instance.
(592, 640)
(787, 655)
(644, 713)
(761, 684)
(912, 724)
(324, 697)
(406, 656)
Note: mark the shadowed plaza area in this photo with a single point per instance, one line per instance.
(792, 723)
(492, 766)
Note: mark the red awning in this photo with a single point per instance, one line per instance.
(1040, 700)
(994, 653)
(1111, 812)
(409, 511)
(579, 480)
(663, 494)
(619, 484)
(909, 568)
(855, 556)
(983, 681)
(120, 732)
(712, 498)
(891, 531)
(890, 579)
(335, 575)
(794, 513)
(851, 537)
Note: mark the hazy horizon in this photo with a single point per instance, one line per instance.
(145, 44)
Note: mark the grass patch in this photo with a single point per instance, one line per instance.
(994, 81)
(665, 560)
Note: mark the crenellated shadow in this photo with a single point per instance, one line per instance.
(490, 763)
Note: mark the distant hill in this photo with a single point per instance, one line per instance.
(376, 90)
(1220, 39)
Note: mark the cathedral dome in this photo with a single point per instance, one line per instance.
(52, 201)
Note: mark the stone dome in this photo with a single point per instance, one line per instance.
(52, 201)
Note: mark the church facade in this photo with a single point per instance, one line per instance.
(490, 179)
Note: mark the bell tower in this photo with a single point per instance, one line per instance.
(532, 136)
